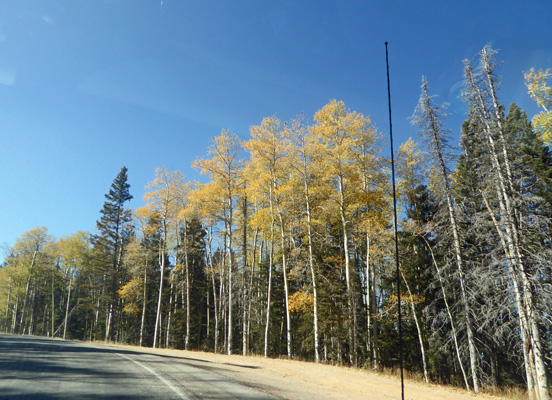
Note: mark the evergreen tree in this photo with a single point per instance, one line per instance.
(114, 232)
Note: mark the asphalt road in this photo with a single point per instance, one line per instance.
(42, 368)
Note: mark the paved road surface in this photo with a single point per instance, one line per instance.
(41, 368)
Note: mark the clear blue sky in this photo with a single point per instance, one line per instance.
(89, 86)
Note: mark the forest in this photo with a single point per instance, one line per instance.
(287, 249)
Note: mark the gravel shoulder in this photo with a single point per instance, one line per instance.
(296, 380)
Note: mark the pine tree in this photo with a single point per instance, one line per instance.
(114, 232)
(428, 118)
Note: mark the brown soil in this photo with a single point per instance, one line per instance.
(296, 380)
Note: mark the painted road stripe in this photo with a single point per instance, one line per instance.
(165, 381)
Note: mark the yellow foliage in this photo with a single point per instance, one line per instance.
(131, 308)
(542, 123)
(336, 261)
(301, 301)
(541, 92)
(132, 289)
(538, 88)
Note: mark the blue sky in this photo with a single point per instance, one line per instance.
(89, 86)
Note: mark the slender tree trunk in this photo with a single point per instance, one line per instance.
(371, 322)
(212, 269)
(505, 190)
(187, 266)
(230, 291)
(436, 139)
(250, 289)
(530, 372)
(14, 316)
(453, 326)
(162, 275)
(53, 306)
(313, 277)
(6, 323)
(24, 309)
(245, 294)
(96, 317)
(286, 284)
(542, 380)
(269, 291)
(418, 328)
(144, 302)
(350, 300)
(223, 299)
(30, 325)
(67, 306)
(169, 317)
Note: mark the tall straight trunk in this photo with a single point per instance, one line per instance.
(188, 306)
(230, 291)
(212, 269)
(306, 195)
(96, 316)
(45, 330)
(436, 138)
(245, 296)
(187, 279)
(467, 310)
(221, 307)
(250, 288)
(24, 309)
(284, 271)
(30, 325)
(169, 317)
(530, 372)
(314, 285)
(350, 300)
(6, 323)
(505, 189)
(244, 277)
(269, 291)
(14, 316)
(160, 298)
(540, 365)
(208, 312)
(418, 328)
(53, 306)
(371, 321)
(108, 316)
(452, 325)
(144, 302)
(286, 284)
(67, 306)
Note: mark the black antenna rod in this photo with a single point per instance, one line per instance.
(395, 216)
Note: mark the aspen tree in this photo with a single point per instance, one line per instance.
(210, 209)
(73, 251)
(160, 203)
(31, 252)
(338, 131)
(303, 152)
(269, 148)
(224, 168)
(540, 90)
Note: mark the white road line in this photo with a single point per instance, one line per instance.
(165, 381)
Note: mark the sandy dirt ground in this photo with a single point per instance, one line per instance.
(297, 380)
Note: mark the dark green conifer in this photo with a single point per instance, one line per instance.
(114, 232)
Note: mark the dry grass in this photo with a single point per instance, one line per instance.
(297, 380)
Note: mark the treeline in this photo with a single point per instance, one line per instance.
(289, 251)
